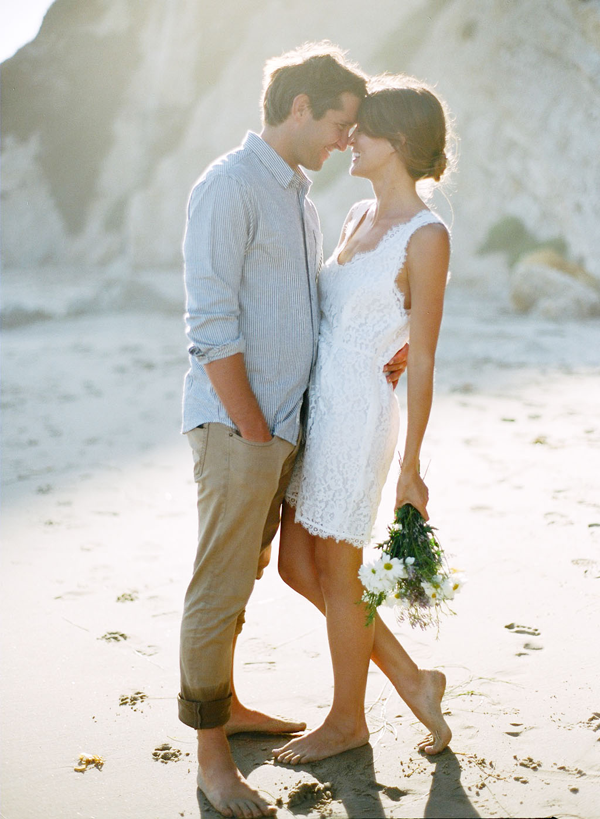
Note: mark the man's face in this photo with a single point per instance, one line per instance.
(317, 138)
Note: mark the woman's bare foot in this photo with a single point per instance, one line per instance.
(222, 783)
(327, 740)
(426, 705)
(244, 720)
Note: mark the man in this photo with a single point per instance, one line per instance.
(252, 252)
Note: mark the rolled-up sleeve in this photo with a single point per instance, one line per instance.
(217, 234)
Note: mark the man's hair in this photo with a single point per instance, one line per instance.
(319, 70)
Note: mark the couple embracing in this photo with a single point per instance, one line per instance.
(289, 402)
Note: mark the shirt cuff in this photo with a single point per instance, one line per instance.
(208, 354)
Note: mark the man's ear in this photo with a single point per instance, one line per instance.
(300, 107)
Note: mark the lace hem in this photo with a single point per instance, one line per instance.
(317, 530)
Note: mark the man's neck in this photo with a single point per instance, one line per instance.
(278, 139)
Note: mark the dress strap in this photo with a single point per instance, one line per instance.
(422, 218)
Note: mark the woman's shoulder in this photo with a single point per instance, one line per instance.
(358, 209)
(428, 226)
(430, 217)
(429, 240)
(361, 206)
(355, 214)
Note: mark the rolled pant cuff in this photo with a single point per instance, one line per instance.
(211, 714)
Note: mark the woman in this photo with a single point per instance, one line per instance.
(388, 271)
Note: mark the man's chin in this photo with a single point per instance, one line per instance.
(313, 165)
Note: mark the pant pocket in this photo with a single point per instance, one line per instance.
(258, 444)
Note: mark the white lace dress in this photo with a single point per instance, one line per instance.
(352, 423)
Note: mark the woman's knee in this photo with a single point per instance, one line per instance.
(338, 564)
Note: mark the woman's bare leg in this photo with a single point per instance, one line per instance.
(351, 644)
(421, 689)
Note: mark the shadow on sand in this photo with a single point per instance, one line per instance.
(447, 797)
(352, 781)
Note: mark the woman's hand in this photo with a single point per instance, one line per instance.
(396, 366)
(411, 489)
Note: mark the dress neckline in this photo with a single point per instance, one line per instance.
(361, 253)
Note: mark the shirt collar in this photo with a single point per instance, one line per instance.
(283, 173)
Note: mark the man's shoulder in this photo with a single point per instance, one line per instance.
(235, 169)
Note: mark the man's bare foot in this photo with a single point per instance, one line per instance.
(426, 705)
(244, 720)
(222, 783)
(327, 740)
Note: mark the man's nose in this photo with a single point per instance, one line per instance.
(343, 141)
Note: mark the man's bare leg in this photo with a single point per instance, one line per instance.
(222, 783)
(421, 689)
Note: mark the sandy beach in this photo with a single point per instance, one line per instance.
(98, 541)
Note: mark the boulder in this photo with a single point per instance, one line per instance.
(547, 285)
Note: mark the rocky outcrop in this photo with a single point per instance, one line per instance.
(546, 284)
(116, 107)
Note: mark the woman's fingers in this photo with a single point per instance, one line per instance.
(417, 500)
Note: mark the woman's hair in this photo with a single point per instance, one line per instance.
(412, 118)
(319, 70)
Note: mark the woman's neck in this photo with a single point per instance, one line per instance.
(396, 196)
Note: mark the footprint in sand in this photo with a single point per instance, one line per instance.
(133, 699)
(518, 629)
(127, 597)
(515, 730)
(590, 567)
(573, 771)
(529, 762)
(166, 753)
(310, 796)
(594, 722)
(530, 645)
(113, 637)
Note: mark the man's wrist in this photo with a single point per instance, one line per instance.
(258, 432)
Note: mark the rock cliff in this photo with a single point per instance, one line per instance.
(116, 107)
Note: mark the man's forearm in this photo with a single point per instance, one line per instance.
(230, 381)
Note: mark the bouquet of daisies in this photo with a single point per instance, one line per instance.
(411, 574)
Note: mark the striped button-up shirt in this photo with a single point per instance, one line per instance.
(252, 251)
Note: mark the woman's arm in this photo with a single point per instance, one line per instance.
(427, 264)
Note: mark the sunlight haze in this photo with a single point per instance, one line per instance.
(21, 22)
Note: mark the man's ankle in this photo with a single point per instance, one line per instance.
(212, 742)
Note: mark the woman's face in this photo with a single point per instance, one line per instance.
(370, 154)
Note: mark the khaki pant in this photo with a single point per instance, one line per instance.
(240, 489)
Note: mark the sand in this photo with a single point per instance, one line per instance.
(98, 541)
